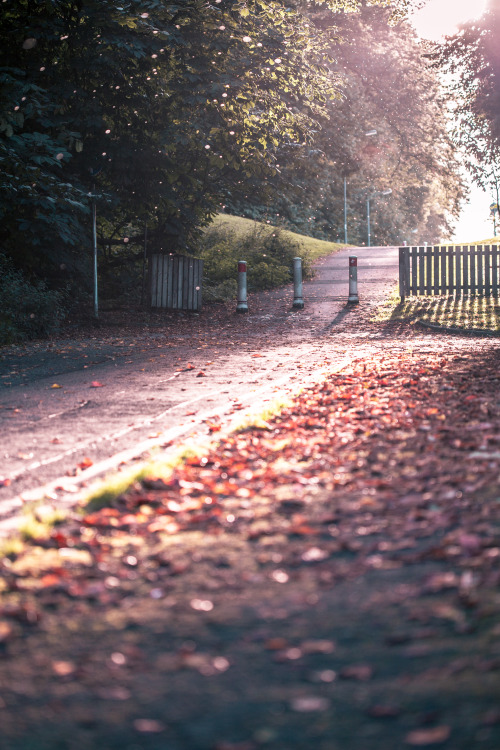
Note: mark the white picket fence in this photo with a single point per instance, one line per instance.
(441, 270)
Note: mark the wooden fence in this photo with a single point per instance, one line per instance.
(175, 282)
(460, 270)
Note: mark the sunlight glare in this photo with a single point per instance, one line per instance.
(439, 18)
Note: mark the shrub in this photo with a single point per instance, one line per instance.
(269, 253)
(28, 309)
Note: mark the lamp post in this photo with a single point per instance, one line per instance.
(368, 134)
(371, 197)
(94, 171)
(494, 212)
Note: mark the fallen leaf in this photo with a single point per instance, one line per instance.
(361, 672)
(96, 384)
(433, 736)
(150, 726)
(307, 703)
(56, 386)
(5, 631)
(63, 668)
(85, 463)
(189, 366)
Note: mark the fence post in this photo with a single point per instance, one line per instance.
(353, 279)
(402, 279)
(242, 306)
(298, 302)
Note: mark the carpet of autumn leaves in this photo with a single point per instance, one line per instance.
(327, 579)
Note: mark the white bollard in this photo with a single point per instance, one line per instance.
(242, 306)
(298, 302)
(353, 279)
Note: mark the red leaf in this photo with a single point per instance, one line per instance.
(201, 374)
(96, 384)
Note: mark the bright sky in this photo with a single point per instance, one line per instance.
(441, 17)
(435, 20)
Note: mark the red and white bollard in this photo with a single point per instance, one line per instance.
(242, 306)
(353, 279)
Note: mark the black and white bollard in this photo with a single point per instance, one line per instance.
(353, 279)
(298, 301)
(242, 306)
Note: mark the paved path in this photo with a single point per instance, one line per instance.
(55, 419)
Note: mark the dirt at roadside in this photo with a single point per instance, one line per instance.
(329, 579)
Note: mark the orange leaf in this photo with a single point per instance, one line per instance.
(50, 579)
(56, 386)
(201, 374)
(85, 463)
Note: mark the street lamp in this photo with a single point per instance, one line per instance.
(494, 212)
(370, 197)
(368, 134)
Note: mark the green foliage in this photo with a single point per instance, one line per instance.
(384, 73)
(28, 310)
(154, 107)
(471, 57)
(158, 111)
(269, 253)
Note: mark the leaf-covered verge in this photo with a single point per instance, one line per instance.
(327, 578)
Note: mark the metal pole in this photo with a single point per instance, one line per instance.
(345, 210)
(242, 306)
(298, 301)
(368, 221)
(353, 279)
(94, 242)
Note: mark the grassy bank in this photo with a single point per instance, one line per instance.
(311, 247)
(268, 250)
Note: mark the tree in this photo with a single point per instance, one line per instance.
(391, 92)
(471, 60)
(156, 108)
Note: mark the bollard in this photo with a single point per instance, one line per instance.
(242, 306)
(298, 302)
(353, 279)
